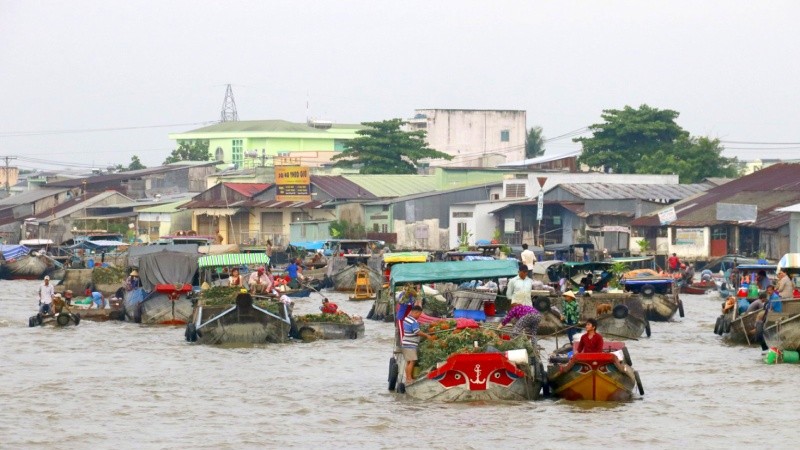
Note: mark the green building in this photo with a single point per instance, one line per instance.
(251, 143)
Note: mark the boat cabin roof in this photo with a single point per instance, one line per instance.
(232, 259)
(790, 262)
(455, 271)
(405, 257)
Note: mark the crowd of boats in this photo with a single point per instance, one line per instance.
(463, 302)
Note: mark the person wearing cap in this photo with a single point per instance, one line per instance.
(259, 281)
(68, 297)
(46, 293)
(133, 281)
(571, 314)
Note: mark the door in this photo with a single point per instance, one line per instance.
(272, 227)
(719, 241)
(238, 233)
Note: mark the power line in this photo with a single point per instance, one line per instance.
(94, 130)
(759, 143)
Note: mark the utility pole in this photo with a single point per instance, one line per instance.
(8, 172)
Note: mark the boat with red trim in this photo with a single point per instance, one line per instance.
(605, 376)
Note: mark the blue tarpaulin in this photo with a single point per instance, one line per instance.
(13, 251)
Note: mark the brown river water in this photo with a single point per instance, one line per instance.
(121, 385)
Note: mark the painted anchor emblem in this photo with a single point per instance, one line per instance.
(478, 379)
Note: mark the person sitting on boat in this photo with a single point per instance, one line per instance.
(68, 297)
(591, 341)
(706, 275)
(730, 303)
(235, 279)
(759, 303)
(586, 282)
(259, 282)
(328, 307)
(520, 287)
(571, 314)
(410, 341)
(97, 300)
(46, 293)
(785, 286)
(133, 281)
(762, 280)
(527, 320)
(772, 296)
(292, 271)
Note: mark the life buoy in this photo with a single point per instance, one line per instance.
(393, 373)
(626, 356)
(620, 312)
(32, 321)
(760, 331)
(77, 318)
(63, 319)
(718, 326)
(680, 307)
(545, 384)
(648, 290)
(191, 332)
(726, 325)
(542, 304)
(647, 328)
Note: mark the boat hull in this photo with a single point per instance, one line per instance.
(660, 307)
(312, 331)
(158, 309)
(593, 377)
(345, 279)
(783, 329)
(618, 315)
(27, 267)
(241, 323)
(477, 377)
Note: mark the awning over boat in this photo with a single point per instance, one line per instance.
(93, 245)
(13, 251)
(233, 259)
(405, 257)
(136, 252)
(453, 271)
(789, 260)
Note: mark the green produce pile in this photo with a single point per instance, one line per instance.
(220, 295)
(333, 318)
(109, 275)
(435, 308)
(450, 340)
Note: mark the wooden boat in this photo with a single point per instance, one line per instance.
(344, 280)
(782, 330)
(312, 327)
(167, 305)
(484, 375)
(602, 376)
(698, 287)
(240, 322)
(658, 294)
(26, 267)
(166, 278)
(738, 328)
(62, 319)
(619, 315)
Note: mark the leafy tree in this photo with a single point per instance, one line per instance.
(534, 143)
(195, 150)
(342, 229)
(384, 148)
(647, 140)
(627, 135)
(136, 164)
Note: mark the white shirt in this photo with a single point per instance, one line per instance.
(519, 290)
(528, 258)
(46, 293)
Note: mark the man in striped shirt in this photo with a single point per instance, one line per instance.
(411, 335)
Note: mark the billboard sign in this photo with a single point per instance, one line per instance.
(667, 216)
(293, 184)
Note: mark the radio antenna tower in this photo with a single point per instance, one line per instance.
(229, 113)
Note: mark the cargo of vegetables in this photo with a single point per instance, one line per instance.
(450, 340)
(331, 318)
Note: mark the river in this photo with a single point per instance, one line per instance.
(121, 385)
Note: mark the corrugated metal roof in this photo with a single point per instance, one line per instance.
(131, 174)
(771, 188)
(277, 204)
(76, 204)
(340, 188)
(166, 208)
(608, 191)
(793, 208)
(428, 194)
(541, 159)
(267, 126)
(29, 197)
(383, 186)
(248, 189)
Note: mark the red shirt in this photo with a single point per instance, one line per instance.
(591, 344)
(329, 308)
(673, 262)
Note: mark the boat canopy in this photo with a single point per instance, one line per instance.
(94, 245)
(765, 267)
(233, 259)
(453, 271)
(309, 245)
(405, 257)
(789, 261)
(13, 251)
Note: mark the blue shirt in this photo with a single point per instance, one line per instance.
(775, 306)
(410, 332)
(97, 297)
(292, 270)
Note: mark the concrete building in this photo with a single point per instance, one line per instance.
(474, 137)
(794, 227)
(251, 143)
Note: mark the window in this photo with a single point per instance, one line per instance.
(219, 155)
(237, 152)
(461, 229)
(462, 214)
(375, 227)
(515, 190)
(384, 228)
(505, 136)
(384, 207)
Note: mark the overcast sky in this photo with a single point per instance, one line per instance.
(731, 68)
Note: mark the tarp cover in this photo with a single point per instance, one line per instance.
(94, 245)
(453, 271)
(402, 257)
(218, 249)
(167, 268)
(13, 251)
(233, 259)
(136, 252)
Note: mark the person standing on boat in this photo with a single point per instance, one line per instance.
(528, 258)
(269, 253)
(674, 263)
(785, 286)
(46, 293)
(133, 281)
(410, 340)
(527, 320)
(97, 300)
(591, 341)
(571, 314)
(520, 287)
(235, 279)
